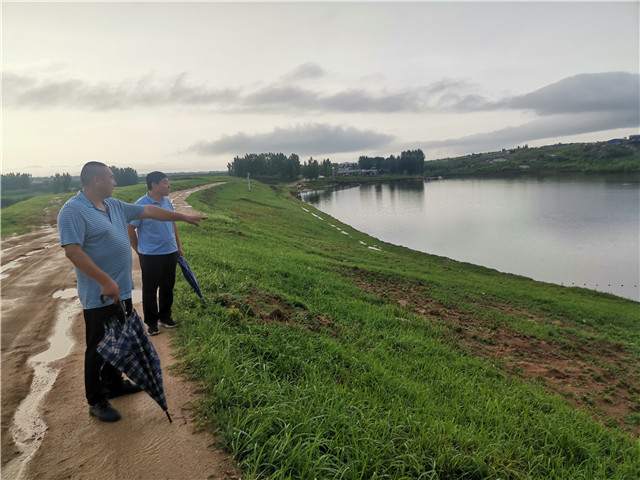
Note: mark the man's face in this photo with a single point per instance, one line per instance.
(162, 187)
(106, 182)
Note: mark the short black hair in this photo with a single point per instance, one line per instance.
(154, 177)
(90, 171)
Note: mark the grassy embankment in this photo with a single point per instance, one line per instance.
(589, 158)
(324, 353)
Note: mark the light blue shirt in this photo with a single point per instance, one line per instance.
(155, 237)
(103, 236)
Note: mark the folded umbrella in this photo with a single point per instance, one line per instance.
(127, 347)
(189, 275)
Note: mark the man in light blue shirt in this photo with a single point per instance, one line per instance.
(158, 246)
(93, 233)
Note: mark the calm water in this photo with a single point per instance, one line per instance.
(581, 231)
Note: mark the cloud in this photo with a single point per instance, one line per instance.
(30, 92)
(291, 98)
(307, 139)
(585, 103)
(305, 71)
(588, 92)
(553, 126)
(285, 95)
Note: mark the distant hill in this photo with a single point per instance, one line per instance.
(615, 156)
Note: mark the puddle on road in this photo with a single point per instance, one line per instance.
(13, 264)
(28, 426)
(66, 294)
(136, 296)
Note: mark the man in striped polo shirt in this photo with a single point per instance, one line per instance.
(93, 233)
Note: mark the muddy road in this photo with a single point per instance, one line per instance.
(46, 428)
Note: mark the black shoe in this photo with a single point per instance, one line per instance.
(104, 412)
(125, 388)
(168, 323)
(153, 330)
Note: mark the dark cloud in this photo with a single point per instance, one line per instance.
(553, 126)
(357, 101)
(588, 92)
(305, 71)
(585, 103)
(308, 139)
(27, 92)
(601, 92)
(295, 99)
(277, 98)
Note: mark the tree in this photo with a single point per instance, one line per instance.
(292, 167)
(326, 168)
(366, 163)
(16, 181)
(311, 169)
(61, 183)
(125, 176)
(266, 165)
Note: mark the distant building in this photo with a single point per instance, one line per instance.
(634, 138)
(353, 172)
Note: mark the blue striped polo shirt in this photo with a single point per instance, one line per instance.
(155, 237)
(103, 236)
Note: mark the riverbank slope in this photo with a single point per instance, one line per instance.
(325, 350)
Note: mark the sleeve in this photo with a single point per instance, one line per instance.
(131, 211)
(136, 223)
(71, 226)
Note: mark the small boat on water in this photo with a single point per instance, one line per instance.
(433, 179)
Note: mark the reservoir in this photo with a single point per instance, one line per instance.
(576, 230)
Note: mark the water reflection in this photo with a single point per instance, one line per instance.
(570, 230)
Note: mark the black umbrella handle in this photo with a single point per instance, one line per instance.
(121, 310)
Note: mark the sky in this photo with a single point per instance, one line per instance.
(186, 87)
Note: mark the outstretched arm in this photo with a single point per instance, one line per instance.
(84, 263)
(158, 213)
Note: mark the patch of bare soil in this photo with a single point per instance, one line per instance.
(143, 444)
(592, 375)
(269, 309)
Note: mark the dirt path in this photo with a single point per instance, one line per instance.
(46, 429)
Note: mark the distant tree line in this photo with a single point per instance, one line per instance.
(600, 157)
(268, 165)
(410, 162)
(124, 176)
(18, 187)
(16, 181)
(313, 169)
(60, 183)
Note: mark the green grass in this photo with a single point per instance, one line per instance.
(25, 216)
(311, 368)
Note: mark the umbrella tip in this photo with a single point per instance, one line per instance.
(168, 416)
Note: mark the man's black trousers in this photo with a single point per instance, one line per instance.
(158, 280)
(99, 376)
